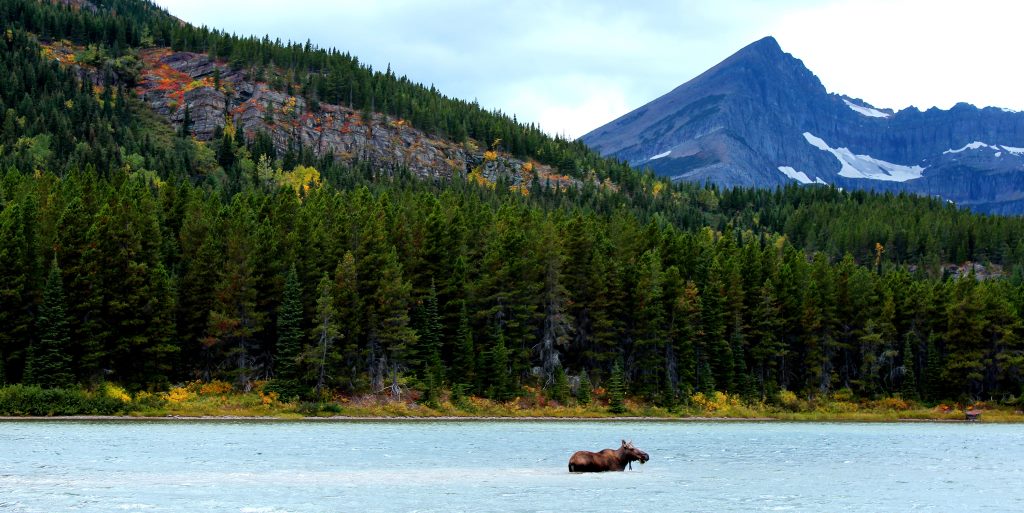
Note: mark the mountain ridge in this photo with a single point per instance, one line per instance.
(761, 118)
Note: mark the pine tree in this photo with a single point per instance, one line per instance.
(933, 371)
(350, 321)
(463, 369)
(557, 324)
(559, 390)
(908, 388)
(650, 327)
(716, 351)
(501, 387)
(585, 391)
(289, 328)
(617, 390)
(48, 363)
(234, 321)
(14, 324)
(325, 333)
(429, 338)
(430, 349)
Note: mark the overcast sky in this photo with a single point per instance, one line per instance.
(573, 65)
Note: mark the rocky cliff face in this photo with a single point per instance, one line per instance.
(212, 95)
(761, 118)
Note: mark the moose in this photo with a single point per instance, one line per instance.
(608, 459)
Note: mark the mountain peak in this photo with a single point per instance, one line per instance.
(761, 118)
(765, 45)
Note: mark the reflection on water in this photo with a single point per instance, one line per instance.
(506, 466)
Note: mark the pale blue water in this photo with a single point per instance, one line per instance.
(252, 467)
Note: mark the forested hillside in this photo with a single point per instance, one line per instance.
(132, 253)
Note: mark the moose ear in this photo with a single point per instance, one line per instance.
(623, 442)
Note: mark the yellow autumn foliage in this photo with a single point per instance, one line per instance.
(229, 127)
(477, 176)
(289, 105)
(179, 395)
(490, 155)
(301, 178)
(115, 392)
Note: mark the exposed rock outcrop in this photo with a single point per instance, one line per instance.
(212, 94)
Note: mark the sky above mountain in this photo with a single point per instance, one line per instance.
(574, 65)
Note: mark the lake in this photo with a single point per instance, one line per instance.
(334, 466)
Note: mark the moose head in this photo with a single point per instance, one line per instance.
(632, 454)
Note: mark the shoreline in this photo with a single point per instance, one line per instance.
(447, 418)
(374, 418)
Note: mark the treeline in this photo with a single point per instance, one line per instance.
(410, 284)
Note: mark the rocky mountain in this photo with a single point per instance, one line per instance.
(211, 97)
(761, 118)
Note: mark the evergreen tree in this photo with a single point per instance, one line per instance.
(501, 386)
(325, 333)
(429, 339)
(908, 389)
(13, 292)
(934, 389)
(463, 370)
(430, 349)
(559, 390)
(289, 328)
(617, 390)
(705, 378)
(585, 391)
(716, 351)
(350, 321)
(234, 321)
(650, 327)
(49, 360)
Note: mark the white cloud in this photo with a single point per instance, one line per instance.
(897, 53)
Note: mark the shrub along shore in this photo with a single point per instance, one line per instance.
(220, 400)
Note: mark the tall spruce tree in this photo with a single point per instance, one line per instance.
(326, 334)
(617, 390)
(908, 387)
(14, 323)
(350, 322)
(501, 386)
(584, 394)
(48, 363)
(289, 328)
(463, 370)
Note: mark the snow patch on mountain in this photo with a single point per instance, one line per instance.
(972, 146)
(866, 166)
(660, 155)
(998, 148)
(800, 176)
(866, 111)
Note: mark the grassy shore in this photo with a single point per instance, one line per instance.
(219, 400)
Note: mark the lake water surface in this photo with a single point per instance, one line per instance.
(270, 467)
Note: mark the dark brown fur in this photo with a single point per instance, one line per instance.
(608, 459)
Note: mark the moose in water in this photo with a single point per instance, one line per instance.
(608, 459)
